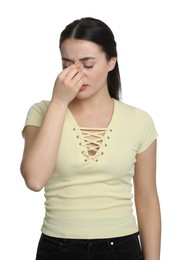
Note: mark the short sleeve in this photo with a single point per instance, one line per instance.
(36, 114)
(146, 130)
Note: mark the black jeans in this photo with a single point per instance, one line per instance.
(122, 248)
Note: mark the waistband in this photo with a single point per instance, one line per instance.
(86, 242)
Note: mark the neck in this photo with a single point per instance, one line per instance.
(92, 105)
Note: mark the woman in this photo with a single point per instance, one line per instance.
(84, 146)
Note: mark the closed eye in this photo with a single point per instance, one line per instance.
(88, 67)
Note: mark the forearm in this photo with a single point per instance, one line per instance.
(39, 160)
(149, 222)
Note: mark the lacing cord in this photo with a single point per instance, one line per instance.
(92, 141)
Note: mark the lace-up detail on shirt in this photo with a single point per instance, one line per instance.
(93, 142)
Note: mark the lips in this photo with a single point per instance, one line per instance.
(83, 87)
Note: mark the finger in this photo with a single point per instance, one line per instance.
(73, 68)
(67, 74)
(77, 78)
(72, 74)
(78, 81)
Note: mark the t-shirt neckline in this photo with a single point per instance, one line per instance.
(95, 128)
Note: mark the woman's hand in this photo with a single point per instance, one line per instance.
(68, 84)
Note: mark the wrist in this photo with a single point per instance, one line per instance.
(58, 104)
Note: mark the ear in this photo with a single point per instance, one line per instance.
(112, 63)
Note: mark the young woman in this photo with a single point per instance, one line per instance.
(83, 147)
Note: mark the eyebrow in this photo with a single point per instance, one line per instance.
(81, 59)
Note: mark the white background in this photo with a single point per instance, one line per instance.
(147, 34)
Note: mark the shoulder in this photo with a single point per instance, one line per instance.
(132, 111)
(133, 116)
(139, 123)
(36, 113)
(40, 106)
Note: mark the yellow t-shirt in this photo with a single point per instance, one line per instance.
(91, 196)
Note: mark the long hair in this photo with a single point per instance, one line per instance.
(94, 30)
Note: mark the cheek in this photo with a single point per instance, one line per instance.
(97, 74)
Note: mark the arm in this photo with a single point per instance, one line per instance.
(147, 203)
(41, 147)
(42, 144)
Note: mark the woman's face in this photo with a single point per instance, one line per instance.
(93, 64)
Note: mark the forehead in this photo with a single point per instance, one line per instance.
(77, 49)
